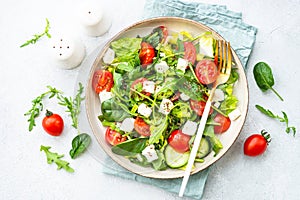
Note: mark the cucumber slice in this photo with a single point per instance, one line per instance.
(175, 159)
(204, 148)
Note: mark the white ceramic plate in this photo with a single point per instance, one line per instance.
(93, 104)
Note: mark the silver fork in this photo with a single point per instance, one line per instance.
(223, 53)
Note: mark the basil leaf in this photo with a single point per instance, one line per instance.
(79, 145)
(130, 147)
(264, 77)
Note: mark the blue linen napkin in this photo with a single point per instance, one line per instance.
(242, 38)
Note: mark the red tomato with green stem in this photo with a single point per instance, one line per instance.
(179, 141)
(142, 127)
(146, 55)
(113, 137)
(224, 122)
(102, 80)
(256, 144)
(53, 124)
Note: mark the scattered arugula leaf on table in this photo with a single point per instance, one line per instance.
(281, 119)
(56, 158)
(264, 77)
(38, 36)
(37, 105)
(73, 105)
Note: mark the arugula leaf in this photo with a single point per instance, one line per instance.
(264, 77)
(281, 119)
(79, 145)
(37, 105)
(157, 131)
(38, 36)
(130, 147)
(56, 158)
(73, 105)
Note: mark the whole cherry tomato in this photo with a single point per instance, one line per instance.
(179, 141)
(102, 80)
(53, 124)
(256, 144)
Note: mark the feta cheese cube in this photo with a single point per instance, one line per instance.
(184, 97)
(109, 56)
(149, 86)
(182, 64)
(165, 106)
(158, 88)
(127, 125)
(218, 95)
(217, 104)
(189, 128)
(144, 110)
(161, 67)
(150, 153)
(104, 96)
(233, 115)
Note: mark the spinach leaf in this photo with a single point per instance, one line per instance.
(264, 77)
(284, 119)
(130, 147)
(191, 88)
(112, 111)
(126, 46)
(79, 144)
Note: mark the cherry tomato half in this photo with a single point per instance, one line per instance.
(53, 124)
(198, 107)
(224, 123)
(146, 54)
(179, 141)
(206, 71)
(142, 127)
(256, 144)
(113, 137)
(102, 80)
(190, 53)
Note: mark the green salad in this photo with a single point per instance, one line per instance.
(152, 92)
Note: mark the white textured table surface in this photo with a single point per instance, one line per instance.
(25, 73)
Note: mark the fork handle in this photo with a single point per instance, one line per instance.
(195, 147)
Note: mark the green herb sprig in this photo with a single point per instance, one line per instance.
(73, 105)
(56, 158)
(36, 37)
(37, 105)
(281, 119)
